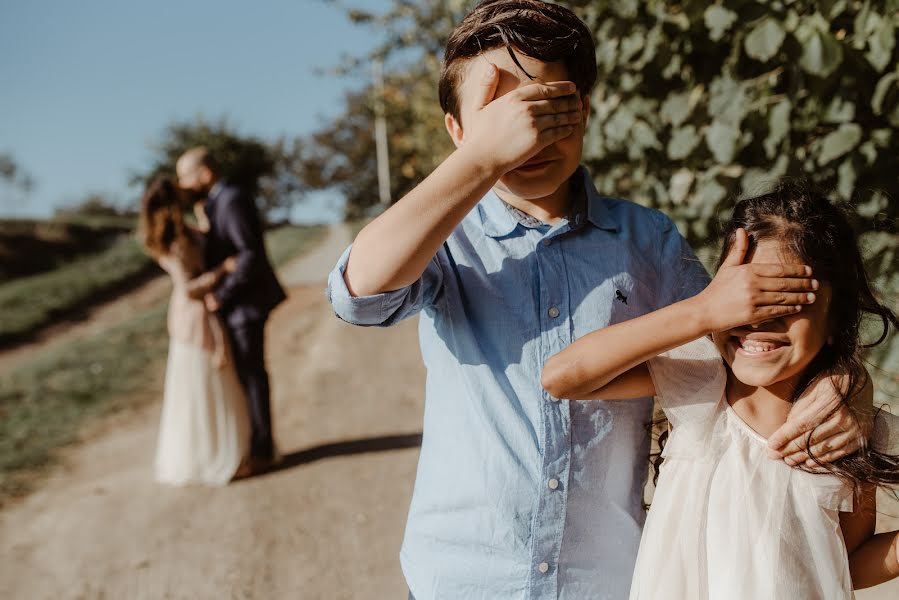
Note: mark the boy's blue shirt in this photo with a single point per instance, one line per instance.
(519, 495)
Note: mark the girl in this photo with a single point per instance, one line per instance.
(204, 428)
(726, 521)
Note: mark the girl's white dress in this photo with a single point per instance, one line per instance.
(727, 522)
(204, 429)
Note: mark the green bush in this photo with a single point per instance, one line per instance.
(30, 302)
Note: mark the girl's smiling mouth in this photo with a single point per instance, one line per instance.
(757, 345)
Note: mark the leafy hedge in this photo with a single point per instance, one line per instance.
(699, 103)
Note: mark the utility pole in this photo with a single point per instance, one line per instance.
(381, 134)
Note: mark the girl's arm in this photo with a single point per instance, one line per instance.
(611, 362)
(873, 559)
(600, 364)
(876, 562)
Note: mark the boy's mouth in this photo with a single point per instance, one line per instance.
(534, 165)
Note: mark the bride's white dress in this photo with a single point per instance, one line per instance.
(727, 522)
(204, 429)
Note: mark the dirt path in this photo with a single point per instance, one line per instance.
(327, 526)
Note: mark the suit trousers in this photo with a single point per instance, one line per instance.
(248, 349)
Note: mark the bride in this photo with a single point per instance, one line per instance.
(204, 432)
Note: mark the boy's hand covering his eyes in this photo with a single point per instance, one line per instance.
(507, 131)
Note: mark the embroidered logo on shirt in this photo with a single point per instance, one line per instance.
(620, 297)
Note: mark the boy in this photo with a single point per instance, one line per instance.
(510, 254)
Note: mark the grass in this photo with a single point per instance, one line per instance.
(288, 241)
(46, 402)
(28, 303)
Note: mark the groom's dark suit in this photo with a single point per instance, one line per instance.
(247, 296)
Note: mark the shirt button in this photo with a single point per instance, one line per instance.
(547, 242)
(543, 567)
(553, 483)
(553, 312)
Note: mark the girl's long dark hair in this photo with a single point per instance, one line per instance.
(818, 233)
(161, 218)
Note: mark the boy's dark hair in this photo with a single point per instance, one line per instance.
(538, 29)
(818, 233)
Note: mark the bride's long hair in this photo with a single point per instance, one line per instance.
(161, 216)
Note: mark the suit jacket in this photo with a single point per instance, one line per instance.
(235, 229)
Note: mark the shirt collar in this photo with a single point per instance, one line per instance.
(587, 207)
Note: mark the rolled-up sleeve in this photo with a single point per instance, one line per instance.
(682, 275)
(387, 308)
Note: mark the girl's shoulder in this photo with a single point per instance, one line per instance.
(689, 381)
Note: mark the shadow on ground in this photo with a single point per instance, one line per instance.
(347, 448)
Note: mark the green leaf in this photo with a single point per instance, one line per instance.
(792, 21)
(625, 8)
(683, 141)
(883, 87)
(846, 180)
(764, 40)
(679, 187)
(721, 139)
(617, 128)
(630, 45)
(643, 137)
(838, 142)
(718, 20)
(654, 39)
(708, 194)
(756, 181)
(676, 108)
(881, 43)
(869, 151)
(821, 54)
(778, 126)
(881, 137)
(839, 111)
(870, 208)
(835, 9)
(728, 100)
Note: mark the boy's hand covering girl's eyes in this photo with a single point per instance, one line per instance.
(819, 418)
(507, 131)
(747, 294)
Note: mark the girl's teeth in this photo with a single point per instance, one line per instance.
(752, 346)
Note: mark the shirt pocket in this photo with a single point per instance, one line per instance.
(630, 298)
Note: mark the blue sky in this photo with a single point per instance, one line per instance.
(88, 86)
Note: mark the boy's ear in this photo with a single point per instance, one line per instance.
(454, 128)
(585, 108)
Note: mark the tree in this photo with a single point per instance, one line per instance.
(341, 155)
(13, 175)
(245, 161)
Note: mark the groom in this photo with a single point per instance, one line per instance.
(243, 298)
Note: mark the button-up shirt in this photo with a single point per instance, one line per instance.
(519, 494)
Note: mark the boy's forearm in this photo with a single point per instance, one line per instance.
(876, 561)
(599, 357)
(393, 251)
